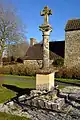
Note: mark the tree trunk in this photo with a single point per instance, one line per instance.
(1, 62)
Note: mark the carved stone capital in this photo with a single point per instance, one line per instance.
(45, 28)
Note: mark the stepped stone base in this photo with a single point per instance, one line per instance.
(45, 81)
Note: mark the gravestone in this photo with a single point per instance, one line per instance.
(45, 77)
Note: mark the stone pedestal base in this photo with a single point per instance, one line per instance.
(44, 81)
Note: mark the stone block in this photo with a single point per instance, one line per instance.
(35, 92)
(44, 81)
(74, 96)
(54, 106)
(41, 103)
(48, 105)
(28, 102)
(35, 102)
(60, 102)
(22, 98)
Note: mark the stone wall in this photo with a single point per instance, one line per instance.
(72, 48)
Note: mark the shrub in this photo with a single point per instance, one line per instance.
(1, 70)
(67, 72)
(8, 60)
(58, 62)
(19, 60)
(31, 70)
(18, 69)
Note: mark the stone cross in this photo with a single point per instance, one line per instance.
(46, 12)
(46, 29)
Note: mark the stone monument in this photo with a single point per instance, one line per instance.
(45, 77)
(46, 29)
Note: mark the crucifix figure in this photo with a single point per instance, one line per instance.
(46, 12)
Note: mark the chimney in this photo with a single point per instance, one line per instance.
(32, 41)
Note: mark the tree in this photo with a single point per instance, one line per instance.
(18, 50)
(11, 28)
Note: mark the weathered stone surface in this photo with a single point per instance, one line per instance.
(60, 102)
(36, 92)
(41, 103)
(70, 89)
(28, 102)
(72, 48)
(35, 102)
(45, 82)
(40, 114)
(63, 95)
(21, 98)
(75, 96)
(4, 108)
(48, 104)
(54, 106)
(46, 29)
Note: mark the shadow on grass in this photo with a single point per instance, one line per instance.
(19, 91)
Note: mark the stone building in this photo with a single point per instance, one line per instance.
(34, 54)
(72, 43)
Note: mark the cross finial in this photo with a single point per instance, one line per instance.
(46, 12)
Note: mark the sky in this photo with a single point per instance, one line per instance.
(62, 11)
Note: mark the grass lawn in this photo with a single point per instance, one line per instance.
(19, 81)
(22, 83)
(4, 116)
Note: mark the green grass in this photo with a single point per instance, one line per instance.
(17, 76)
(61, 86)
(21, 84)
(5, 94)
(68, 80)
(19, 81)
(4, 116)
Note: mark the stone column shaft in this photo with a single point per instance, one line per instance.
(45, 49)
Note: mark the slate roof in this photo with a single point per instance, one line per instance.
(73, 24)
(35, 52)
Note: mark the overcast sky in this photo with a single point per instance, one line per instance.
(63, 10)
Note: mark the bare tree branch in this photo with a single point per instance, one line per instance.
(11, 28)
